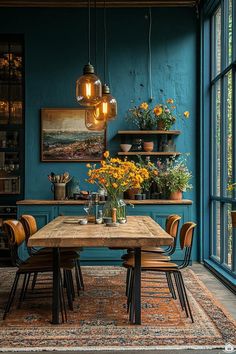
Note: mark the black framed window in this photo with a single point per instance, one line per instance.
(222, 134)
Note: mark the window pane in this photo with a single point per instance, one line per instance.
(230, 33)
(216, 55)
(229, 127)
(216, 139)
(229, 235)
(215, 230)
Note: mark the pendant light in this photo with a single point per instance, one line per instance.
(91, 121)
(88, 86)
(107, 108)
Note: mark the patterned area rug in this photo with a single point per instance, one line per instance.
(99, 320)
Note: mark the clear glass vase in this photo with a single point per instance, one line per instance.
(118, 203)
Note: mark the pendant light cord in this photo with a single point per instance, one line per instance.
(150, 53)
(95, 28)
(89, 31)
(105, 40)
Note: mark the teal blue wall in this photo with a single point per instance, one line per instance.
(56, 50)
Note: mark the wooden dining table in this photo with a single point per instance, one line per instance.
(64, 231)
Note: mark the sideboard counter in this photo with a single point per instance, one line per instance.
(82, 202)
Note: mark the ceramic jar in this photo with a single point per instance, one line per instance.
(148, 146)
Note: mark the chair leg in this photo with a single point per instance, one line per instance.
(130, 289)
(128, 274)
(77, 279)
(22, 290)
(185, 293)
(80, 275)
(170, 285)
(62, 301)
(178, 287)
(11, 295)
(181, 293)
(68, 290)
(132, 302)
(34, 281)
(26, 286)
(71, 284)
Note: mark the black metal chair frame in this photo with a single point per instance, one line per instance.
(179, 282)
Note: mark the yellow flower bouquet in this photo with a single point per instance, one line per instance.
(162, 116)
(116, 176)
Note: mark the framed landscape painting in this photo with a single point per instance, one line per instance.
(65, 137)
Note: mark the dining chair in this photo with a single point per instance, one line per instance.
(169, 268)
(33, 265)
(30, 225)
(171, 227)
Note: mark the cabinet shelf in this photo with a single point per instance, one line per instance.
(149, 132)
(152, 153)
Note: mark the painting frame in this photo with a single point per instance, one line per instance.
(64, 136)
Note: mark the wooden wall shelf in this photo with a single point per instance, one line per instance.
(149, 132)
(152, 153)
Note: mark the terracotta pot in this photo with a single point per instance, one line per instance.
(148, 146)
(160, 125)
(130, 193)
(233, 216)
(176, 195)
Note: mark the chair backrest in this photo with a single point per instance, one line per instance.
(16, 236)
(186, 241)
(172, 225)
(30, 225)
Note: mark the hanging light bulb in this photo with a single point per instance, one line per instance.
(107, 108)
(88, 86)
(91, 121)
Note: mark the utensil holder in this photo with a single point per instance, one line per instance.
(59, 190)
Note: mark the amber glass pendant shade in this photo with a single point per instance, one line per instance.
(88, 88)
(107, 108)
(91, 122)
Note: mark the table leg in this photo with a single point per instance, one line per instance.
(137, 286)
(56, 286)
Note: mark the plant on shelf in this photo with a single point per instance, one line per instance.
(142, 116)
(174, 178)
(153, 174)
(231, 187)
(161, 117)
(116, 176)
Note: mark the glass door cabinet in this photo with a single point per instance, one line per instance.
(11, 128)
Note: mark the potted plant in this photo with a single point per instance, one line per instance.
(153, 173)
(166, 115)
(175, 180)
(142, 116)
(161, 117)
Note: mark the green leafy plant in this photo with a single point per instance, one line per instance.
(152, 170)
(162, 115)
(174, 177)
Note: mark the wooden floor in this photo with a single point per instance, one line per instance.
(227, 298)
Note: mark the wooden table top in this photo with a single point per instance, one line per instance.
(139, 231)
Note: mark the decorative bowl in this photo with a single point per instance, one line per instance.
(125, 147)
